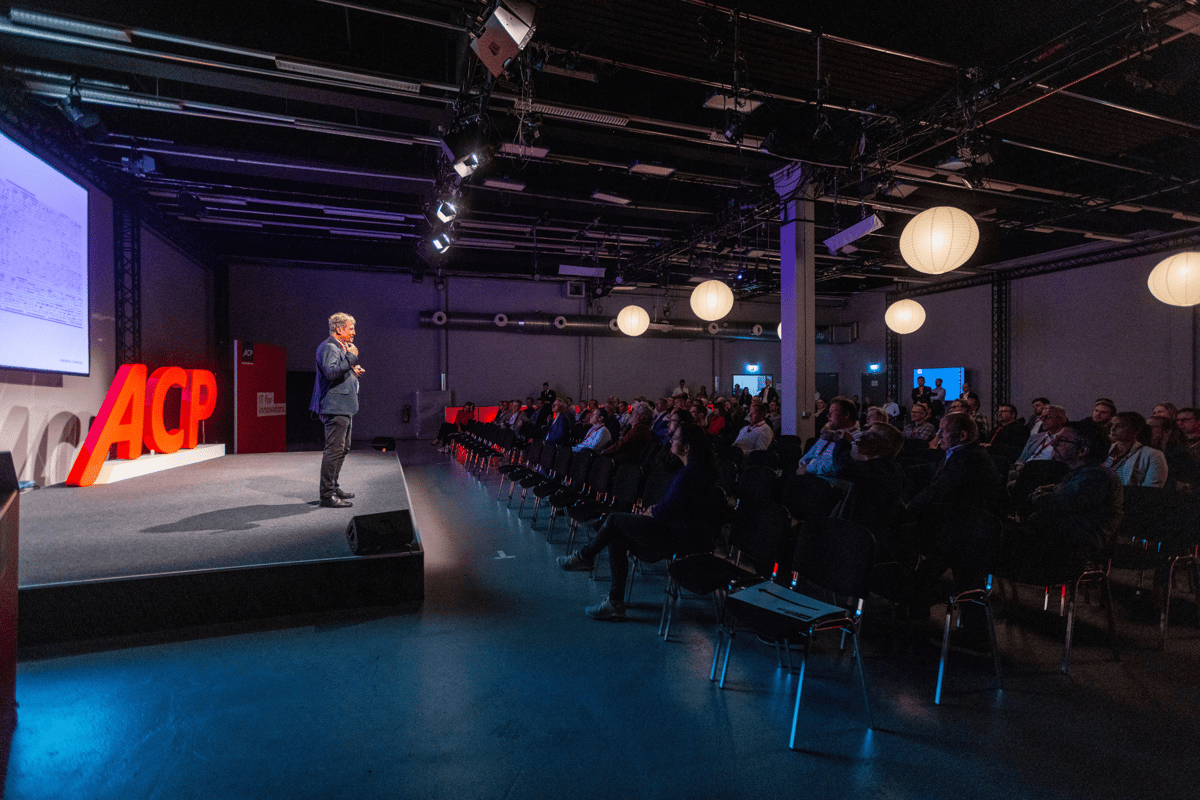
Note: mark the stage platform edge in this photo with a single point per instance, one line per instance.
(62, 613)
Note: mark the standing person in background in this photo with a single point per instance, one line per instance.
(921, 393)
(335, 399)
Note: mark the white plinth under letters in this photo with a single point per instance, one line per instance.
(119, 469)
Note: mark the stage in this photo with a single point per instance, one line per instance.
(234, 538)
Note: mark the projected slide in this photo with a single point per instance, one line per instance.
(43, 265)
(952, 380)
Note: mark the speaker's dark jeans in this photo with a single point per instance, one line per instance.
(337, 444)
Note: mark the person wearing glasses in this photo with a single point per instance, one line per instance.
(1131, 457)
(1073, 520)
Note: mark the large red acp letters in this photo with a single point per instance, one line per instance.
(132, 415)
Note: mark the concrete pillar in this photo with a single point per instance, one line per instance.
(798, 361)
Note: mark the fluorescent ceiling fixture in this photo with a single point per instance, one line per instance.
(576, 271)
(491, 244)
(622, 238)
(241, 223)
(1039, 229)
(844, 237)
(611, 198)
(752, 142)
(523, 151)
(229, 201)
(1187, 21)
(50, 22)
(503, 183)
(569, 73)
(642, 168)
(576, 113)
(353, 212)
(306, 68)
(128, 100)
(1106, 237)
(723, 100)
(1185, 217)
(1127, 208)
(901, 189)
(369, 234)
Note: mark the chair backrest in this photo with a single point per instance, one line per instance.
(755, 485)
(790, 449)
(601, 474)
(626, 483)
(734, 454)
(546, 459)
(1157, 515)
(760, 532)
(533, 452)
(656, 487)
(1035, 474)
(727, 476)
(835, 554)
(562, 461)
(808, 496)
(766, 458)
(972, 535)
(581, 465)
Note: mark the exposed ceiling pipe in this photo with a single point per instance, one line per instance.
(594, 325)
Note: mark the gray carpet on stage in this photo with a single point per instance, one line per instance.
(239, 510)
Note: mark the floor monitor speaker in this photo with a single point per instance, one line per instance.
(380, 533)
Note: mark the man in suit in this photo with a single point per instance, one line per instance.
(335, 400)
(967, 476)
(768, 394)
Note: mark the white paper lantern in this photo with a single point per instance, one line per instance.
(1176, 280)
(633, 320)
(939, 239)
(905, 316)
(712, 300)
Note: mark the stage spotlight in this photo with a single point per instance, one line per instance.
(190, 206)
(447, 210)
(466, 166)
(733, 127)
(466, 150)
(505, 33)
(87, 123)
(441, 241)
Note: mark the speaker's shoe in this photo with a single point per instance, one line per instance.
(344, 495)
(335, 502)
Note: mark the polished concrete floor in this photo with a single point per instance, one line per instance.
(500, 687)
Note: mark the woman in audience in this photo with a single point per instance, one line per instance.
(1166, 437)
(822, 414)
(465, 416)
(1130, 457)
(1168, 410)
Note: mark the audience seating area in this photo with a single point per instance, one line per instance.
(791, 559)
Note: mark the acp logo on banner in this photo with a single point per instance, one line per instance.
(132, 416)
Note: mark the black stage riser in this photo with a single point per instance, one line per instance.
(73, 612)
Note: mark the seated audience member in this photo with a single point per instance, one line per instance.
(1135, 463)
(869, 462)
(893, 410)
(598, 436)
(1073, 521)
(681, 389)
(1040, 404)
(700, 412)
(703, 395)
(681, 523)
(629, 449)
(774, 418)
(1103, 411)
(1010, 435)
(919, 427)
(1040, 447)
(561, 423)
(821, 413)
(662, 411)
(842, 420)
(875, 416)
(967, 476)
(757, 435)
(718, 419)
(1165, 436)
(1165, 410)
(464, 417)
(982, 423)
(1188, 420)
(516, 417)
(544, 414)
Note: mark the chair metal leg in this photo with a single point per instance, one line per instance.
(937, 693)
(991, 623)
(712, 673)
(670, 596)
(725, 667)
(862, 678)
(1066, 659)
